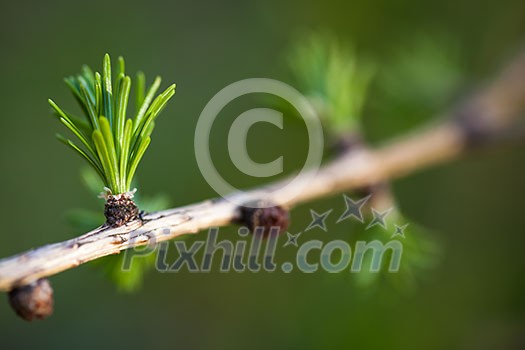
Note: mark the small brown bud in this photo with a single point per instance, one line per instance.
(263, 219)
(120, 209)
(346, 143)
(475, 123)
(34, 301)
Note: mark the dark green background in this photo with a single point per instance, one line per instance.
(473, 299)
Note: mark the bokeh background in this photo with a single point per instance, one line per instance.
(473, 298)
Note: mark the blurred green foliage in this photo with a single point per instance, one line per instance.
(473, 299)
(419, 80)
(421, 254)
(334, 79)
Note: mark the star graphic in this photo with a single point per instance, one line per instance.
(353, 208)
(291, 239)
(400, 231)
(379, 218)
(318, 220)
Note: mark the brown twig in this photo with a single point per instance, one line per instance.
(488, 113)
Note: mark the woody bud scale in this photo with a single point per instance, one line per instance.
(33, 301)
(262, 220)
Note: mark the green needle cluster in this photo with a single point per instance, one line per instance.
(333, 77)
(109, 141)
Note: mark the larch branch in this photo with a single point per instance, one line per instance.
(489, 112)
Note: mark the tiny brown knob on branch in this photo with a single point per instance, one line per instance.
(475, 124)
(264, 219)
(33, 301)
(346, 143)
(119, 210)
